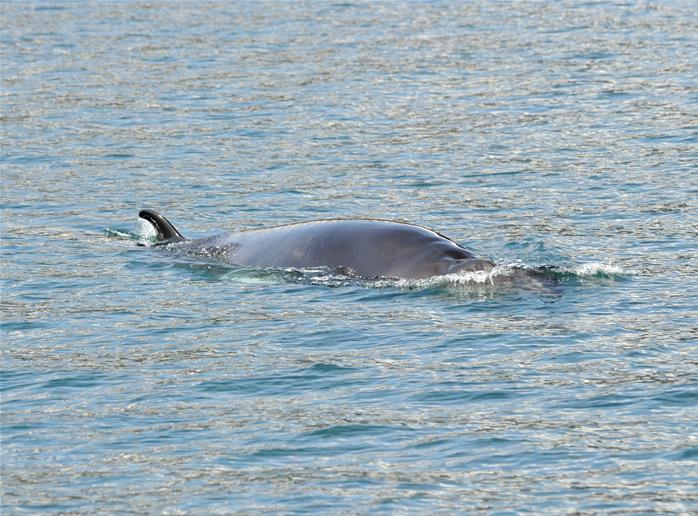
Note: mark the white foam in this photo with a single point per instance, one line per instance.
(462, 278)
(596, 268)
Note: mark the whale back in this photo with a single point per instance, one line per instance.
(369, 248)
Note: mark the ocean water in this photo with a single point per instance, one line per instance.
(559, 139)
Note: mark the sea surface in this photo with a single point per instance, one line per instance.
(559, 139)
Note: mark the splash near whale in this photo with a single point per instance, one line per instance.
(365, 247)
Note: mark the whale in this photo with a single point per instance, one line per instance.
(368, 248)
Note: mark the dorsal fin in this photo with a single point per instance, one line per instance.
(167, 233)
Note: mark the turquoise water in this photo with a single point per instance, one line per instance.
(558, 139)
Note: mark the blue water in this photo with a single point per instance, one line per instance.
(559, 139)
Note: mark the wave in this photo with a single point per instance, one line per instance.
(599, 270)
(548, 280)
(143, 233)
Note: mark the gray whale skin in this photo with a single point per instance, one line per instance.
(366, 247)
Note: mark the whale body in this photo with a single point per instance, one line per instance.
(366, 247)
